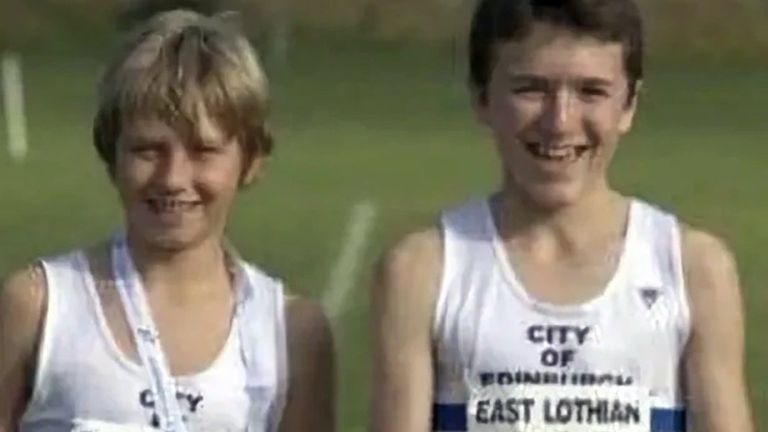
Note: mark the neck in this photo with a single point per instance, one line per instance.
(180, 274)
(599, 217)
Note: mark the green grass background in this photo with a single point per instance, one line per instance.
(391, 123)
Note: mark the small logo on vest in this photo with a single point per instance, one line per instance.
(649, 296)
(190, 402)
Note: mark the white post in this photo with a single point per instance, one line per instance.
(279, 34)
(343, 276)
(458, 38)
(13, 104)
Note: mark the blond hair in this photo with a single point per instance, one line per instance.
(173, 65)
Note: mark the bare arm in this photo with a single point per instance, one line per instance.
(310, 404)
(403, 300)
(22, 303)
(714, 361)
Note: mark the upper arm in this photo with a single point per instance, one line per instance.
(714, 358)
(310, 402)
(403, 300)
(22, 303)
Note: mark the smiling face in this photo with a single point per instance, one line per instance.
(557, 104)
(176, 185)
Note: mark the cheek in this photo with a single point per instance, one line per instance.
(219, 178)
(131, 176)
(510, 117)
(604, 125)
(217, 185)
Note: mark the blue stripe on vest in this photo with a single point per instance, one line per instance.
(667, 420)
(453, 417)
(449, 417)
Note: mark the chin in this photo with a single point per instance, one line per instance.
(170, 243)
(171, 240)
(553, 197)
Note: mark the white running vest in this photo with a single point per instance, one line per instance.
(82, 376)
(507, 362)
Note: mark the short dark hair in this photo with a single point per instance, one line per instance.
(497, 21)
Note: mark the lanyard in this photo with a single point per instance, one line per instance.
(131, 291)
(162, 385)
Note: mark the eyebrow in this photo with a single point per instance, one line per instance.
(141, 138)
(516, 78)
(597, 82)
(538, 79)
(213, 141)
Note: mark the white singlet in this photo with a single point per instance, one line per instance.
(506, 361)
(84, 381)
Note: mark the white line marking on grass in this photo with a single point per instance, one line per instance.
(13, 92)
(344, 273)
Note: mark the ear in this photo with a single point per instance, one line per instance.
(628, 114)
(254, 170)
(479, 99)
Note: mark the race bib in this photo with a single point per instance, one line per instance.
(88, 425)
(559, 408)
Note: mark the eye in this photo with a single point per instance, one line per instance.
(145, 150)
(593, 92)
(207, 150)
(528, 89)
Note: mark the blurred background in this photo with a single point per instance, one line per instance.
(375, 134)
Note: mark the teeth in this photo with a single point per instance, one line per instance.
(170, 205)
(559, 154)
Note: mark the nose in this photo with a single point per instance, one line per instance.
(174, 173)
(561, 114)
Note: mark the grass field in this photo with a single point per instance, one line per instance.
(390, 124)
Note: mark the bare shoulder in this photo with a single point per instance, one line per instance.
(405, 292)
(310, 402)
(713, 289)
(419, 247)
(708, 262)
(23, 297)
(413, 265)
(22, 314)
(22, 305)
(29, 278)
(403, 300)
(310, 346)
(714, 356)
(306, 323)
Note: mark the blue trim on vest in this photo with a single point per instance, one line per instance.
(453, 417)
(667, 420)
(449, 417)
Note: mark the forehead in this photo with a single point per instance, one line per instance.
(149, 126)
(559, 53)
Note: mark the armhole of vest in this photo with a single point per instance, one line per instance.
(282, 366)
(681, 290)
(439, 314)
(44, 347)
